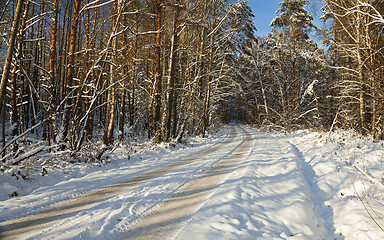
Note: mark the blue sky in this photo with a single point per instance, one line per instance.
(264, 11)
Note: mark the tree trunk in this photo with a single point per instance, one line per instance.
(8, 60)
(3, 126)
(52, 73)
(158, 75)
(206, 109)
(71, 69)
(207, 97)
(171, 77)
(110, 114)
(200, 67)
(360, 74)
(88, 128)
(122, 115)
(293, 66)
(122, 89)
(260, 77)
(13, 83)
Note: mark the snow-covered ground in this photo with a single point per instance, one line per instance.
(242, 183)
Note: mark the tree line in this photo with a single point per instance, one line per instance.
(296, 84)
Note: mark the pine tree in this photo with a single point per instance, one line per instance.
(297, 22)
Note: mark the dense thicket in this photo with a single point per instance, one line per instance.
(84, 70)
(355, 38)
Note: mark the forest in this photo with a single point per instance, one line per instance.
(76, 72)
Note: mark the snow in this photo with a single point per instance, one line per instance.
(303, 185)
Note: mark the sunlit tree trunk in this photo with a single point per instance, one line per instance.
(15, 121)
(71, 69)
(11, 44)
(110, 114)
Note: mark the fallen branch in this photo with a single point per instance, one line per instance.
(366, 209)
(29, 154)
(22, 135)
(26, 155)
(371, 179)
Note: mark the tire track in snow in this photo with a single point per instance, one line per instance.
(314, 196)
(170, 216)
(24, 227)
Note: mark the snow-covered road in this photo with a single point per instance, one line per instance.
(172, 215)
(241, 184)
(267, 197)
